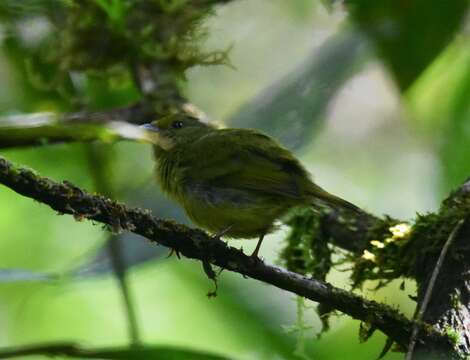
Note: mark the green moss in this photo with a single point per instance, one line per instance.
(432, 231)
(453, 335)
(307, 251)
(394, 248)
(380, 260)
(300, 328)
(107, 39)
(366, 330)
(455, 301)
(408, 256)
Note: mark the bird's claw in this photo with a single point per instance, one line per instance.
(212, 276)
(255, 258)
(174, 251)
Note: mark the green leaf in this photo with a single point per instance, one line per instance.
(455, 149)
(443, 115)
(115, 9)
(409, 34)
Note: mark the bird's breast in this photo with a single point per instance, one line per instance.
(168, 177)
(244, 213)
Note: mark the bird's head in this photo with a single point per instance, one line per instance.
(175, 130)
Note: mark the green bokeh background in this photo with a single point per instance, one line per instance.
(367, 133)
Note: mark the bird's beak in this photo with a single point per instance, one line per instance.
(150, 127)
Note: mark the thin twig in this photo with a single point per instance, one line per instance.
(430, 288)
(118, 264)
(98, 160)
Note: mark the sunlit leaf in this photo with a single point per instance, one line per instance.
(440, 106)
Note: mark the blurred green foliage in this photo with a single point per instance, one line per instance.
(301, 97)
(298, 65)
(440, 108)
(87, 51)
(141, 353)
(409, 34)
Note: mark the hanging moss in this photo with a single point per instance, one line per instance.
(98, 37)
(394, 248)
(306, 251)
(108, 39)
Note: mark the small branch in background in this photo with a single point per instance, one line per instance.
(349, 235)
(196, 244)
(138, 114)
(46, 128)
(119, 269)
(427, 296)
(74, 351)
(99, 160)
(50, 128)
(159, 85)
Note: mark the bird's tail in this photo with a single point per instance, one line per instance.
(332, 200)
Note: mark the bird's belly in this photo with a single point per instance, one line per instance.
(236, 213)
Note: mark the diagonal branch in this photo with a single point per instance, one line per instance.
(196, 244)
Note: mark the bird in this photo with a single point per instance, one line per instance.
(234, 183)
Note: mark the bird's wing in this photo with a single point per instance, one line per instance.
(246, 160)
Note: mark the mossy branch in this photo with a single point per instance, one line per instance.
(66, 198)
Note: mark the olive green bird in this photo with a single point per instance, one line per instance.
(231, 182)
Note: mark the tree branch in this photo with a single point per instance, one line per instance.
(74, 351)
(48, 128)
(448, 308)
(430, 287)
(196, 244)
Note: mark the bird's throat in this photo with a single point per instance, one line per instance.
(163, 142)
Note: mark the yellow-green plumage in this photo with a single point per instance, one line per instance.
(235, 181)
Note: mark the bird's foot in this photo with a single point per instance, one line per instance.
(174, 251)
(255, 258)
(254, 255)
(212, 276)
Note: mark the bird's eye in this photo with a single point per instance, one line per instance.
(177, 124)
